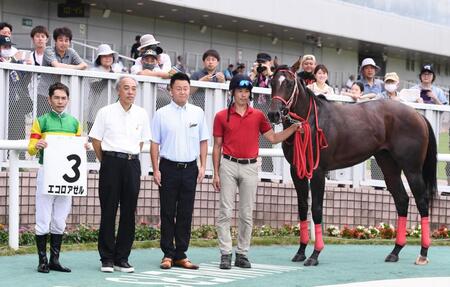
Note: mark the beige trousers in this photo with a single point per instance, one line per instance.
(235, 176)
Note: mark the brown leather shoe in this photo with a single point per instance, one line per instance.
(185, 263)
(166, 263)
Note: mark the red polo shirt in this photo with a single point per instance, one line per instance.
(241, 134)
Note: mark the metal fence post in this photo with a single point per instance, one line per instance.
(13, 182)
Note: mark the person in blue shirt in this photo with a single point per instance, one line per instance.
(176, 145)
(372, 87)
(228, 72)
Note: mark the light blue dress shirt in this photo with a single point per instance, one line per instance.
(179, 131)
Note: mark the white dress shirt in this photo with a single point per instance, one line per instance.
(179, 131)
(120, 130)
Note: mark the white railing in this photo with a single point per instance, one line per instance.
(14, 164)
(215, 99)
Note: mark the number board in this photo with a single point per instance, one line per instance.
(65, 166)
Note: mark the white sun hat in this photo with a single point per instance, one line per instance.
(105, 49)
(147, 40)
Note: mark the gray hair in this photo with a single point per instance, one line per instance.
(121, 78)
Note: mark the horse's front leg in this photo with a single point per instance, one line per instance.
(302, 188)
(317, 193)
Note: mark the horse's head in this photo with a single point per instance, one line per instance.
(285, 88)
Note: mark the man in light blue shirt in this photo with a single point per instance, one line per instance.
(372, 87)
(179, 137)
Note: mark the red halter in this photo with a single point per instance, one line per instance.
(303, 158)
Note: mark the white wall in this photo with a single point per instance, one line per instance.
(335, 18)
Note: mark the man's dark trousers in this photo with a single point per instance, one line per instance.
(177, 196)
(119, 183)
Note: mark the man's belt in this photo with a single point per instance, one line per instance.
(240, 160)
(121, 155)
(177, 164)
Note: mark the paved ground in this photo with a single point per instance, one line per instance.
(340, 265)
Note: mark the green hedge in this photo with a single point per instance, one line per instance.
(144, 232)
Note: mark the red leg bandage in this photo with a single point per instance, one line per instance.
(426, 241)
(318, 244)
(401, 231)
(304, 234)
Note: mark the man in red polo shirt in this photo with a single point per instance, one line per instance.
(236, 133)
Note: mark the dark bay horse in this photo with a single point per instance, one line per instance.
(342, 135)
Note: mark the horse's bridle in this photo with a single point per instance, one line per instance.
(292, 99)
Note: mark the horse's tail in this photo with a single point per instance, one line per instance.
(430, 165)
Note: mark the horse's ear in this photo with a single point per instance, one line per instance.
(295, 66)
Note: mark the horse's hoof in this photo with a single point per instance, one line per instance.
(422, 260)
(311, 262)
(391, 258)
(299, 257)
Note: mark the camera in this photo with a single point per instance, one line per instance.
(260, 68)
(424, 95)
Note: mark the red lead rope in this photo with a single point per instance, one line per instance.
(303, 147)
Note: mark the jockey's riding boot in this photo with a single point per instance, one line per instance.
(41, 244)
(55, 248)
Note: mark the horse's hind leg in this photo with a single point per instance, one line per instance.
(392, 177)
(418, 189)
(301, 187)
(317, 192)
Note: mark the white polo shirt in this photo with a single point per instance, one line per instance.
(179, 131)
(120, 130)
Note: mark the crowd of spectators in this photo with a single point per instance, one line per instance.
(151, 60)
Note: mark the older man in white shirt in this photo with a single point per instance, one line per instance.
(118, 133)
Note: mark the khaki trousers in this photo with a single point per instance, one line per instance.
(235, 176)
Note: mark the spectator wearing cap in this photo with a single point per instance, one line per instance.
(134, 49)
(6, 30)
(261, 70)
(149, 65)
(6, 50)
(236, 132)
(148, 42)
(429, 93)
(391, 82)
(179, 138)
(209, 73)
(372, 86)
(98, 93)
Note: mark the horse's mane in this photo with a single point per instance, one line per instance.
(282, 67)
